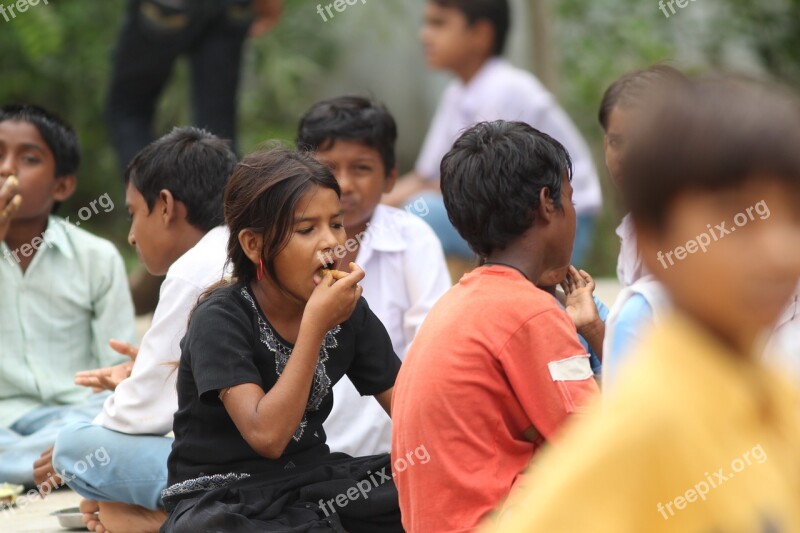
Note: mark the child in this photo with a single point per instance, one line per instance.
(699, 435)
(65, 293)
(174, 198)
(496, 369)
(642, 298)
(355, 137)
(467, 38)
(258, 362)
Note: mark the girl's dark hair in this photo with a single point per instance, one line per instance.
(262, 195)
(635, 86)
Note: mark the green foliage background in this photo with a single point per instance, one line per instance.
(59, 56)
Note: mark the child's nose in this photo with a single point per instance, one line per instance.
(7, 167)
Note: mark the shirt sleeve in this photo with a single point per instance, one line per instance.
(548, 370)
(375, 365)
(426, 279)
(221, 344)
(146, 401)
(113, 315)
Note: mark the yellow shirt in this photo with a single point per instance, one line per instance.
(696, 439)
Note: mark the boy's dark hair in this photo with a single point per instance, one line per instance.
(56, 133)
(636, 86)
(352, 118)
(492, 178)
(714, 134)
(496, 12)
(191, 163)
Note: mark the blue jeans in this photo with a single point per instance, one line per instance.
(28, 437)
(129, 468)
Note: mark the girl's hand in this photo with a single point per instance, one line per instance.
(578, 288)
(333, 301)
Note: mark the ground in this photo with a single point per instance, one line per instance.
(36, 516)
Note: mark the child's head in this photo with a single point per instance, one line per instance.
(43, 152)
(713, 183)
(620, 103)
(355, 137)
(504, 180)
(174, 189)
(457, 31)
(282, 208)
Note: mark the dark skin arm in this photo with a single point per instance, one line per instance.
(267, 420)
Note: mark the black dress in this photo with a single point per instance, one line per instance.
(217, 482)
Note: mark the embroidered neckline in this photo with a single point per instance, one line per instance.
(321, 384)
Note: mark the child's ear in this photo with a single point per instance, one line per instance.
(65, 187)
(546, 208)
(390, 181)
(252, 243)
(168, 206)
(484, 32)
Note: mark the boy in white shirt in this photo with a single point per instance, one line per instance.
(174, 197)
(403, 259)
(467, 38)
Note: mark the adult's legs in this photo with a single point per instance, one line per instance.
(215, 59)
(130, 469)
(23, 443)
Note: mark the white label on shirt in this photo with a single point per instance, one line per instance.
(576, 368)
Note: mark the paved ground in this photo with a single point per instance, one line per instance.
(35, 517)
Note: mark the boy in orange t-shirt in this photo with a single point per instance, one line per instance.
(497, 366)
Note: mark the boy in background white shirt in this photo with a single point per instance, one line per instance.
(174, 197)
(467, 38)
(403, 259)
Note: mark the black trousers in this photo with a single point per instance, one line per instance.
(154, 34)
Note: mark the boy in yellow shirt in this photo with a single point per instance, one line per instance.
(699, 436)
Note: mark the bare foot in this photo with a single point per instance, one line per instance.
(107, 517)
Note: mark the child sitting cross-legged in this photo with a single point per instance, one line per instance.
(259, 360)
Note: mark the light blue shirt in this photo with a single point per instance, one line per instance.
(58, 316)
(629, 328)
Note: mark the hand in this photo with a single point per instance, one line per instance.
(578, 288)
(333, 301)
(108, 378)
(267, 14)
(9, 203)
(42, 467)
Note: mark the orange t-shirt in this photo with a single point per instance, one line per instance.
(494, 356)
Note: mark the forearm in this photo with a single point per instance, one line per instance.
(281, 409)
(594, 333)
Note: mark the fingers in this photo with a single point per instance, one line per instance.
(124, 348)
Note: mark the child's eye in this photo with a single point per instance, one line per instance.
(31, 160)
(337, 225)
(305, 231)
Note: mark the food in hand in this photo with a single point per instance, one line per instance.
(337, 274)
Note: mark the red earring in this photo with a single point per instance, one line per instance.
(260, 273)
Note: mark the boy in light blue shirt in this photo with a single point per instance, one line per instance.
(65, 292)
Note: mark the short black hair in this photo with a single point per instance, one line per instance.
(191, 163)
(492, 177)
(714, 134)
(496, 12)
(634, 87)
(56, 133)
(352, 118)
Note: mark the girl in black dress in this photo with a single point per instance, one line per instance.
(258, 363)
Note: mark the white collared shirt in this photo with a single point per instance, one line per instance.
(406, 275)
(629, 264)
(146, 402)
(501, 91)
